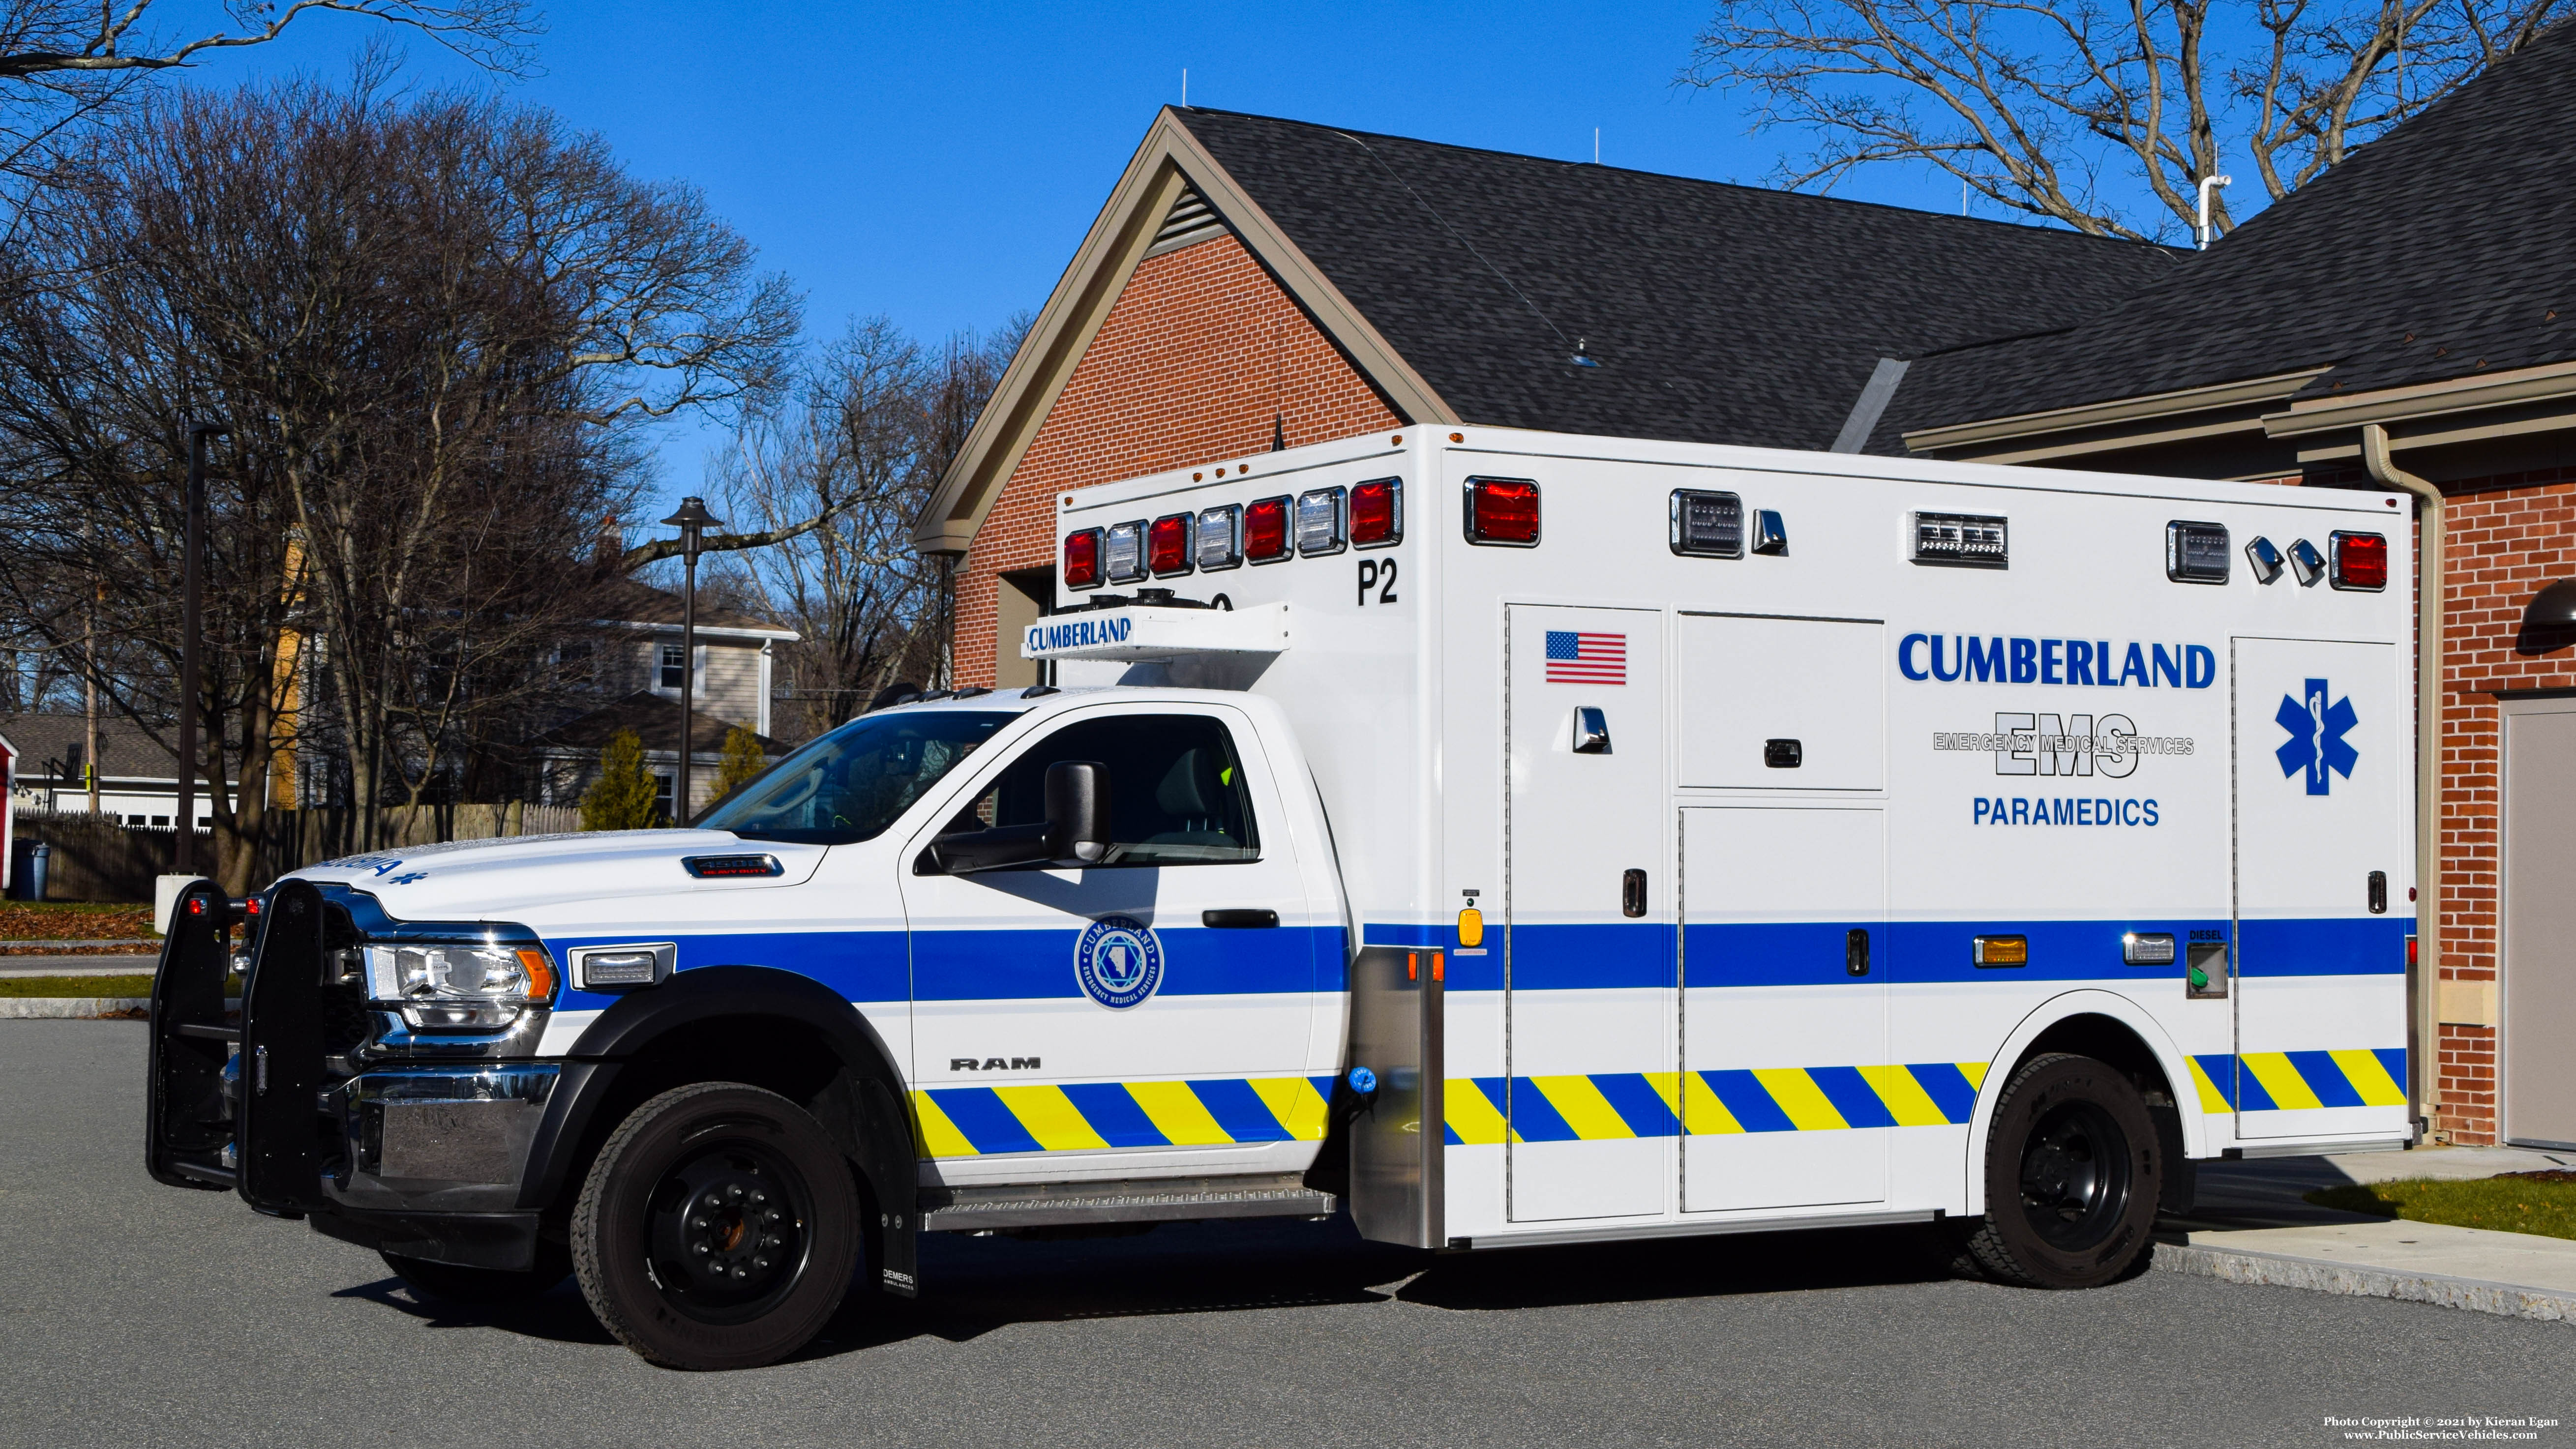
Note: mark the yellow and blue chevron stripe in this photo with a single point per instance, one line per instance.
(1599, 1106)
(976, 1121)
(2289, 1081)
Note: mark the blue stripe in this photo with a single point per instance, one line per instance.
(2363, 946)
(2326, 1079)
(1594, 956)
(1745, 1100)
(979, 1113)
(2250, 1096)
(2393, 1059)
(1449, 1136)
(2221, 1070)
(1850, 1093)
(1240, 1111)
(1638, 1105)
(857, 965)
(1115, 1116)
(1533, 1117)
(1038, 964)
(1948, 1088)
(1390, 933)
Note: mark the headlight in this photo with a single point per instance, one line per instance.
(460, 984)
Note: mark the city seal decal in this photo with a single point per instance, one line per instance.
(1119, 961)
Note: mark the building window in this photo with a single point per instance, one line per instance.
(675, 665)
(662, 797)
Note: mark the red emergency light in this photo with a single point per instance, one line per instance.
(1502, 511)
(2357, 561)
(1377, 514)
(1265, 531)
(1082, 559)
(1167, 545)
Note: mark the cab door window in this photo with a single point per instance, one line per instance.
(1176, 789)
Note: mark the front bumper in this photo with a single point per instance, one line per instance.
(438, 1161)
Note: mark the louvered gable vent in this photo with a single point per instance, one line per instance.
(1190, 222)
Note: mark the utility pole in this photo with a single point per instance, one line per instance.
(192, 589)
(89, 667)
(692, 520)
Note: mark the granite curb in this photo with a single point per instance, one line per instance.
(2361, 1280)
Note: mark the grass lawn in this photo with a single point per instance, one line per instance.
(76, 985)
(74, 921)
(2518, 1202)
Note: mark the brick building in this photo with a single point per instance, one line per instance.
(1255, 283)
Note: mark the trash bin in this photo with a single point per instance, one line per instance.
(40, 862)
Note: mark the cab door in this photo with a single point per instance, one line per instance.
(1151, 1013)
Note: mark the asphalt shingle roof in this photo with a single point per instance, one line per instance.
(1717, 313)
(2440, 250)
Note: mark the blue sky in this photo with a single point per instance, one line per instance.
(939, 164)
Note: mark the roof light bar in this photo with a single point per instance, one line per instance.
(1503, 512)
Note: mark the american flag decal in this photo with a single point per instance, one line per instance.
(1581, 658)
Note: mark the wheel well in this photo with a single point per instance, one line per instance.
(2109, 1041)
(2114, 1043)
(784, 1056)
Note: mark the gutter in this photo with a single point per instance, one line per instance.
(2424, 1062)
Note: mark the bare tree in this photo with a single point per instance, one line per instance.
(63, 62)
(434, 326)
(2098, 116)
(834, 477)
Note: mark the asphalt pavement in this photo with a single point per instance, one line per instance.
(132, 1314)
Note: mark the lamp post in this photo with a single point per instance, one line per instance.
(192, 589)
(692, 520)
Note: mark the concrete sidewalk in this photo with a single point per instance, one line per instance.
(20, 966)
(2251, 1224)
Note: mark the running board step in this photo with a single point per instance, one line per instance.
(1134, 1200)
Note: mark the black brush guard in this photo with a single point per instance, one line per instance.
(265, 1141)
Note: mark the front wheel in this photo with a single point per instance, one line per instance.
(2072, 1176)
(718, 1228)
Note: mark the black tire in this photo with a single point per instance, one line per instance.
(2072, 1177)
(718, 1228)
(455, 1283)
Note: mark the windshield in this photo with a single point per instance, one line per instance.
(852, 783)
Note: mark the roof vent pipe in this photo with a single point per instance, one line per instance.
(2206, 183)
(2424, 1050)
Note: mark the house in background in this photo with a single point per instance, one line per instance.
(138, 777)
(635, 661)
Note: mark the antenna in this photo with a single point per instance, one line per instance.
(1596, 145)
(1185, 88)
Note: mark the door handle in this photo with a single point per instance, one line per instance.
(1632, 893)
(1856, 952)
(1240, 919)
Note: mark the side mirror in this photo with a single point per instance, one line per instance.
(1077, 812)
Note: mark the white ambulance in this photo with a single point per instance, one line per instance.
(1521, 838)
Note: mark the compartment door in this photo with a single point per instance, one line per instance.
(1784, 1009)
(1588, 987)
(2325, 773)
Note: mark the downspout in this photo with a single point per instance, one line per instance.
(2424, 1058)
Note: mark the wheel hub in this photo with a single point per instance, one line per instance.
(725, 1229)
(2074, 1175)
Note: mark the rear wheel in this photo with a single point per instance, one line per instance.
(455, 1283)
(717, 1229)
(2072, 1176)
